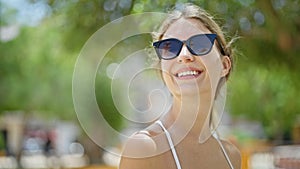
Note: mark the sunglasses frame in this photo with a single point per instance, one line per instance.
(211, 37)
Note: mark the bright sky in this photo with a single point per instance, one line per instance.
(29, 14)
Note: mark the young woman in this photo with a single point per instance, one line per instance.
(195, 62)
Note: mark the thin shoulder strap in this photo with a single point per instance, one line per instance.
(223, 149)
(173, 150)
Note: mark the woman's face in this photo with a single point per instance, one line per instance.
(188, 74)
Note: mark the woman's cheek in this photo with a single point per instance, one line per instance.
(165, 68)
(167, 76)
(167, 79)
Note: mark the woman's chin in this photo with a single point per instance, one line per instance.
(192, 90)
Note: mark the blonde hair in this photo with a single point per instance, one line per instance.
(191, 11)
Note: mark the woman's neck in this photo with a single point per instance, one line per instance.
(188, 115)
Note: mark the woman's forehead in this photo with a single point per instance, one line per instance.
(185, 28)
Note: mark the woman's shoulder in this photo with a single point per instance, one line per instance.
(139, 145)
(138, 148)
(233, 153)
(142, 143)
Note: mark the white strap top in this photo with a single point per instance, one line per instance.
(174, 153)
(171, 144)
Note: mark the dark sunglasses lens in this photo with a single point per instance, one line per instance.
(201, 44)
(169, 49)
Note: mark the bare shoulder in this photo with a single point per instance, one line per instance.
(234, 153)
(142, 143)
(139, 145)
(140, 149)
(136, 152)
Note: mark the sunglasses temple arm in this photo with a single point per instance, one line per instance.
(221, 47)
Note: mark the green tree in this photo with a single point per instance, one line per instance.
(36, 67)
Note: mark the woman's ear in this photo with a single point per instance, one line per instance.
(226, 62)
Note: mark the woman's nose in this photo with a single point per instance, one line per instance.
(185, 55)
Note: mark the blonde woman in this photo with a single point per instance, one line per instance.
(195, 61)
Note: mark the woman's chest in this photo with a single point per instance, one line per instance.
(195, 156)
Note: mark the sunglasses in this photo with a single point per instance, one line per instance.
(198, 45)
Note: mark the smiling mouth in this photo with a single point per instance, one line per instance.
(188, 74)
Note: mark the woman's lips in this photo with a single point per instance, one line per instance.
(188, 73)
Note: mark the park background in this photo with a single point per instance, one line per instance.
(40, 41)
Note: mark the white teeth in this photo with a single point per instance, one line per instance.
(187, 73)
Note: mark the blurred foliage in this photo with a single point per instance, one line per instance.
(36, 67)
(2, 145)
